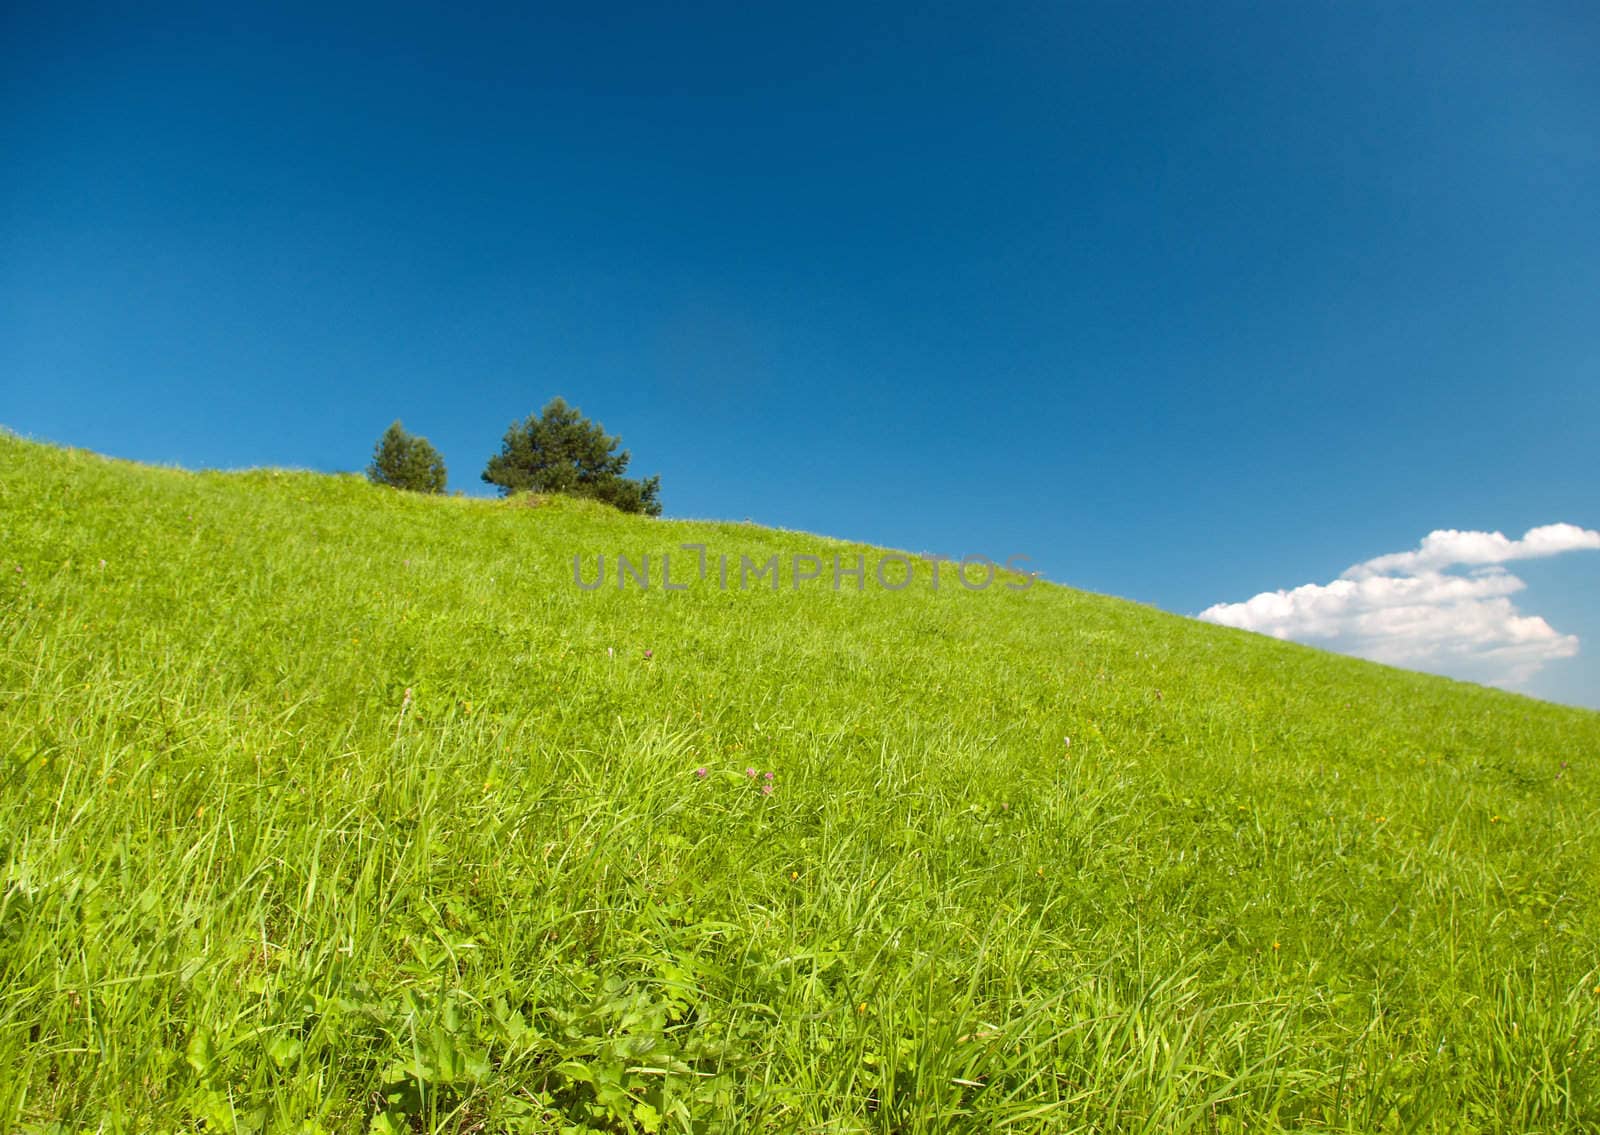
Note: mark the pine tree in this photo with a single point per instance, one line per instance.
(405, 461)
(561, 451)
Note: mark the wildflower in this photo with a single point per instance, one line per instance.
(766, 790)
(750, 772)
(793, 875)
(1066, 742)
(649, 654)
(1275, 945)
(769, 776)
(702, 772)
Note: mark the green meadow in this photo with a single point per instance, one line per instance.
(330, 808)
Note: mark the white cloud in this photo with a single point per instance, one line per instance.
(1406, 609)
(1447, 547)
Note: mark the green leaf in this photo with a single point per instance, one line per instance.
(575, 1071)
(389, 1123)
(284, 1050)
(201, 1052)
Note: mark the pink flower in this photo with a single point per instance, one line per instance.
(702, 772)
(766, 790)
(769, 776)
(750, 772)
(649, 654)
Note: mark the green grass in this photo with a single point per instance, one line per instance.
(247, 885)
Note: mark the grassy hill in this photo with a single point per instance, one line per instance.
(327, 808)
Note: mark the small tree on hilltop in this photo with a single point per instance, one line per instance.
(404, 461)
(561, 451)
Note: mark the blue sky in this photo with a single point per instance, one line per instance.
(1187, 302)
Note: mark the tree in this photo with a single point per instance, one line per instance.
(561, 451)
(405, 461)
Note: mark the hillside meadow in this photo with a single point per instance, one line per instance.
(329, 808)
